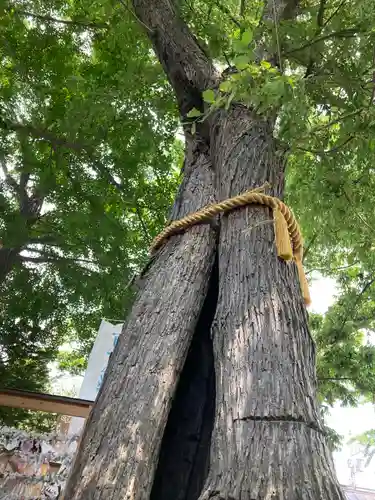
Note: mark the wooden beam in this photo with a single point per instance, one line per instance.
(45, 402)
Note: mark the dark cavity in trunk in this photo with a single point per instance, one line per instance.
(185, 448)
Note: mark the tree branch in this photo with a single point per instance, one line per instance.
(188, 68)
(274, 12)
(242, 8)
(307, 249)
(78, 147)
(227, 12)
(126, 6)
(325, 269)
(360, 216)
(320, 17)
(335, 378)
(319, 29)
(19, 189)
(72, 22)
(31, 205)
(329, 124)
(24, 179)
(48, 242)
(42, 134)
(356, 302)
(143, 225)
(346, 33)
(373, 80)
(328, 151)
(329, 19)
(53, 259)
(279, 10)
(8, 178)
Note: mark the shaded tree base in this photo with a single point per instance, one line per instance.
(257, 453)
(275, 460)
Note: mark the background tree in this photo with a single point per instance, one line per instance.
(85, 179)
(367, 440)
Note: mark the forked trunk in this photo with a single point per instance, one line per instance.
(267, 441)
(265, 434)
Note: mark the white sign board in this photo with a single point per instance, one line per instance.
(98, 360)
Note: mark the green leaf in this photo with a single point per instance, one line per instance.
(274, 88)
(291, 81)
(351, 258)
(225, 86)
(239, 47)
(241, 62)
(247, 37)
(229, 101)
(194, 113)
(208, 96)
(265, 64)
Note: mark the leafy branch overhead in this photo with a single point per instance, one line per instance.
(89, 164)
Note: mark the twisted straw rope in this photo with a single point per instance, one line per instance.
(253, 196)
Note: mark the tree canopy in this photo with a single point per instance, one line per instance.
(90, 158)
(89, 165)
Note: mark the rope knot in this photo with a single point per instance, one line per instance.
(288, 236)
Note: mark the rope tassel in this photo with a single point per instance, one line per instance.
(283, 244)
(302, 277)
(287, 232)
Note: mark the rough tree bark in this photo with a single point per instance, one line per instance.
(241, 335)
(120, 446)
(268, 441)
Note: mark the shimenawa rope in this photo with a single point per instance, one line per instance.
(288, 236)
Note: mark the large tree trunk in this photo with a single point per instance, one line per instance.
(184, 458)
(120, 446)
(267, 440)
